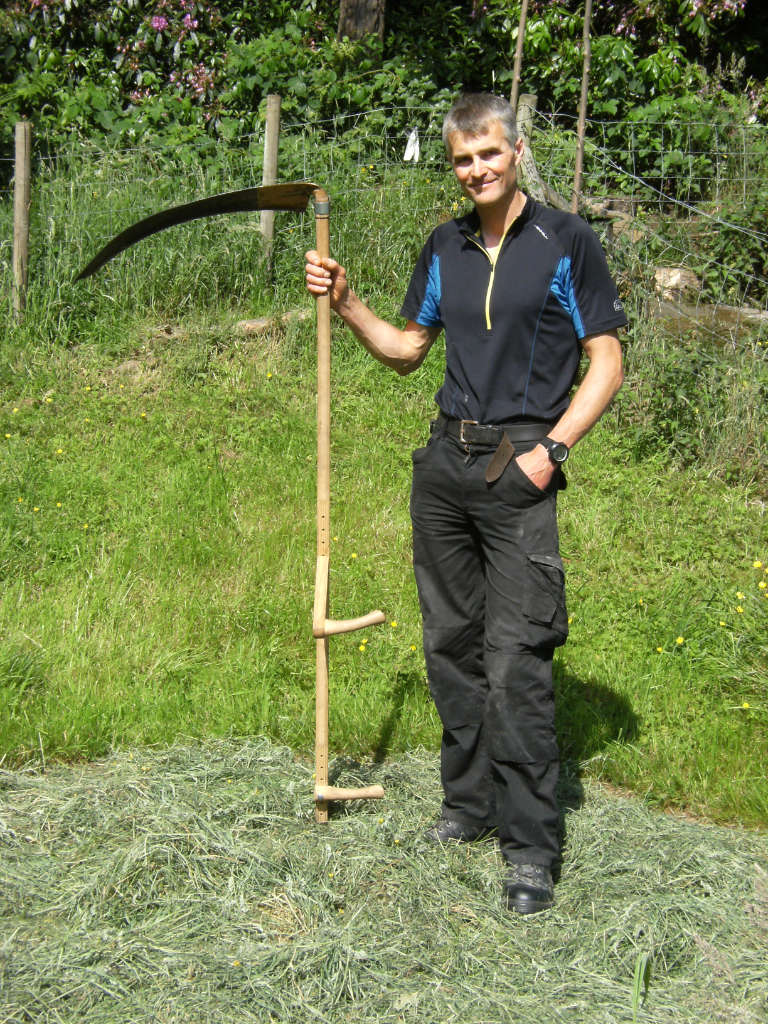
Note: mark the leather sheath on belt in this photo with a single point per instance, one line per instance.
(500, 460)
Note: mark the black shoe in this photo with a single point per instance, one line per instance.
(446, 830)
(528, 888)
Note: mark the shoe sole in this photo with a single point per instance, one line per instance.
(530, 908)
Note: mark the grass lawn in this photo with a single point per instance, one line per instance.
(157, 564)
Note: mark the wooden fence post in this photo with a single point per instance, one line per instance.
(21, 201)
(582, 109)
(518, 56)
(534, 186)
(269, 173)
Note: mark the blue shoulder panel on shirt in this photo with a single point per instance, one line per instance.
(562, 289)
(429, 314)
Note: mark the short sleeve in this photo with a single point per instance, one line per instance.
(422, 299)
(596, 306)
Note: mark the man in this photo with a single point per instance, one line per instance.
(520, 291)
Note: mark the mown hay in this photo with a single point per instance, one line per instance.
(192, 885)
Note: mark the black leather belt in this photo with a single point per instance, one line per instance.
(470, 432)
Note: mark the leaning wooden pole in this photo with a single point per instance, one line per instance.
(322, 626)
(518, 56)
(269, 171)
(582, 108)
(21, 202)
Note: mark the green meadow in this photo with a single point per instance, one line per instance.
(157, 516)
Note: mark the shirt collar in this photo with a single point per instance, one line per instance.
(469, 225)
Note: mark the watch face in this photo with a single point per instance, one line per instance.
(558, 452)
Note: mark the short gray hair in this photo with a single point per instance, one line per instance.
(473, 112)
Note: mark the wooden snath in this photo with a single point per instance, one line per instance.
(293, 195)
(322, 626)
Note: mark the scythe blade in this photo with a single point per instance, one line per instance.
(291, 195)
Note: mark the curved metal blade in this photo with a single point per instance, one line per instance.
(291, 195)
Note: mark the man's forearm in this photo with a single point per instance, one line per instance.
(401, 350)
(601, 382)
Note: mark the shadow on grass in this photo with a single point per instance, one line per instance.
(407, 683)
(588, 717)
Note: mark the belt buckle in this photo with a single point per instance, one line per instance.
(463, 423)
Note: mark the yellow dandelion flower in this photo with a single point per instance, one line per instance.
(58, 504)
(757, 564)
(660, 650)
(87, 387)
(721, 622)
(15, 410)
(59, 451)
(353, 555)
(570, 619)
(739, 610)
(762, 585)
(381, 821)
(7, 435)
(143, 415)
(85, 526)
(235, 963)
(36, 508)
(745, 704)
(680, 640)
(19, 499)
(640, 600)
(361, 648)
(739, 596)
(49, 400)
(269, 376)
(413, 647)
(393, 623)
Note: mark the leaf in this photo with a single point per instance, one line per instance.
(641, 981)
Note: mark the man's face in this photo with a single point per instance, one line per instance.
(485, 165)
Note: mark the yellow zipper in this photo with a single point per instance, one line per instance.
(492, 260)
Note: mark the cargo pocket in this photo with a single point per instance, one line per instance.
(544, 603)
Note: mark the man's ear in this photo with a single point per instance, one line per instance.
(519, 150)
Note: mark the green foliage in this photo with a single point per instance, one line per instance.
(698, 402)
(126, 68)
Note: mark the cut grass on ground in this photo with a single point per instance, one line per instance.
(192, 885)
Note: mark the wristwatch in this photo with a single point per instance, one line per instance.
(558, 452)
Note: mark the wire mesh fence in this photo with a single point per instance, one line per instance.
(678, 194)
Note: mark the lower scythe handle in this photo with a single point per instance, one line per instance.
(322, 626)
(334, 793)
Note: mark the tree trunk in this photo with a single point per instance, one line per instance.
(358, 18)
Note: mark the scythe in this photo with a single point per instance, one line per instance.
(289, 196)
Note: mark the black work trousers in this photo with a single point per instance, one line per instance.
(492, 596)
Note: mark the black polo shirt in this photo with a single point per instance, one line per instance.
(513, 328)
